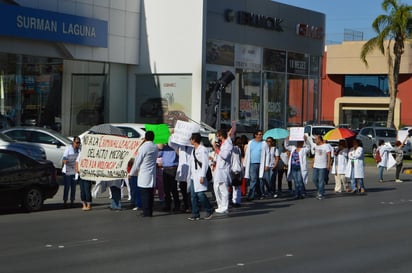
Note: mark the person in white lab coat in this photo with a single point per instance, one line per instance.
(144, 167)
(355, 169)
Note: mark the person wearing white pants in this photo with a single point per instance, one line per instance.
(222, 166)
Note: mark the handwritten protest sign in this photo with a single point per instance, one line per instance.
(296, 134)
(161, 132)
(183, 131)
(105, 157)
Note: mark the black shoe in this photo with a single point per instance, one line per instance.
(209, 216)
(193, 218)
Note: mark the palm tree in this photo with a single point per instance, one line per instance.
(392, 29)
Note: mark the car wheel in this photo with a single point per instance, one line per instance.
(33, 199)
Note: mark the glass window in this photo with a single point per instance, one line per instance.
(366, 86)
(274, 100)
(31, 90)
(249, 101)
(87, 107)
(9, 162)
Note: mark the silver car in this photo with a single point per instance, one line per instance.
(51, 141)
(370, 137)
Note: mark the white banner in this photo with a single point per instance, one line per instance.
(105, 157)
(183, 131)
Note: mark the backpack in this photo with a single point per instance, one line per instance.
(378, 157)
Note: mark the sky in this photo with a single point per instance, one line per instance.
(356, 15)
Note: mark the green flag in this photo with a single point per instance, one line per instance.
(161, 132)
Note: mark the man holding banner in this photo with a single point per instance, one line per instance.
(144, 167)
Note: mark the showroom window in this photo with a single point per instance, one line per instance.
(366, 86)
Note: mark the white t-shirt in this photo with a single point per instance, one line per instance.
(321, 157)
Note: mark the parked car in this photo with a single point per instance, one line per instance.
(313, 130)
(370, 137)
(51, 141)
(31, 150)
(24, 181)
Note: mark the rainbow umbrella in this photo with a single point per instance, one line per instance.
(339, 133)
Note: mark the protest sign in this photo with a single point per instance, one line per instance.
(183, 131)
(161, 132)
(296, 134)
(402, 135)
(105, 157)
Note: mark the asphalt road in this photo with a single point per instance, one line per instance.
(345, 233)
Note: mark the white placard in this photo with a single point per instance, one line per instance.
(402, 135)
(105, 157)
(296, 134)
(183, 131)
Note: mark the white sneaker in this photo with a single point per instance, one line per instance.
(398, 181)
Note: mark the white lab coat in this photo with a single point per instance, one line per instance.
(144, 166)
(340, 162)
(264, 159)
(223, 163)
(184, 152)
(303, 162)
(355, 156)
(384, 151)
(196, 172)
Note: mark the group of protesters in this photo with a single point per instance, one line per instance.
(173, 169)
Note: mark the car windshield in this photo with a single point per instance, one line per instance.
(385, 133)
(320, 130)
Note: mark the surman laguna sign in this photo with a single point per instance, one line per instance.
(38, 24)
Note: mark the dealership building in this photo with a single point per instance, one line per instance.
(356, 94)
(73, 64)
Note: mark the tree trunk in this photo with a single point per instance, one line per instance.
(392, 90)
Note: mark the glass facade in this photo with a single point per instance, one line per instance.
(273, 88)
(366, 86)
(30, 90)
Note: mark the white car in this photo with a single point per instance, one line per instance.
(51, 141)
(313, 130)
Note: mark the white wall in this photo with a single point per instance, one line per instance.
(172, 37)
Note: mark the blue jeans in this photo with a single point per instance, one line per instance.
(85, 190)
(380, 172)
(69, 184)
(199, 197)
(116, 196)
(254, 179)
(353, 181)
(298, 181)
(135, 192)
(319, 179)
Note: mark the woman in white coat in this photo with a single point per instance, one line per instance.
(340, 163)
(298, 169)
(221, 176)
(198, 181)
(355, 167)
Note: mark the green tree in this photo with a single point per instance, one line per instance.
(393, 29)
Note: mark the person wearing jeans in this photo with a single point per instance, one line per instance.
(298, 169)
(69, 169)
(256, 163)
(355, 167)
(198, 163)
(321, 166)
